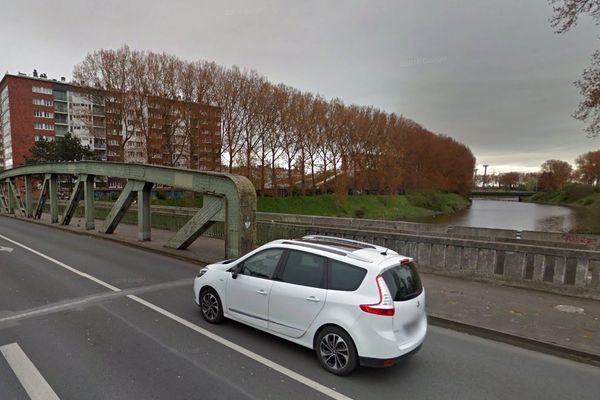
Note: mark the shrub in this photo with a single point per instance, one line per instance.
(426, 199)
(576, 191)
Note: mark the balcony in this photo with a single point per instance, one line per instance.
(98, 110)
(60, 96)
(60, 108)
(60, 119)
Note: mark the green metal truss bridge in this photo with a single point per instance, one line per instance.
(227, 198)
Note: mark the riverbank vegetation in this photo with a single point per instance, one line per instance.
(418, 204)
(574, 194)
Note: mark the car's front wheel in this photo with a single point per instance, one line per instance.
(210, 304)
(336, 351)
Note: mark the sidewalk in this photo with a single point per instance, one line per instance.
(205, 250)
(562, 325)
(527, 314)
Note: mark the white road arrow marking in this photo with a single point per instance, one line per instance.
(7, 249)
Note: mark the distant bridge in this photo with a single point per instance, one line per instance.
(519, 194)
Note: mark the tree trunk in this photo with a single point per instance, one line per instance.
(274, 179)
(248, 157)
(302, 174)
(312, 174)
(290, 183)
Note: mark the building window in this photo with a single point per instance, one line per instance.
(43, 102)
(43, 114)
(43, 126)
(46, 138)
(41, 90)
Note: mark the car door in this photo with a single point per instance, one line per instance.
(248, 293)
(298, 293)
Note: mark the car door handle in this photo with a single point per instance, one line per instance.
(313, 299)
(262, 292)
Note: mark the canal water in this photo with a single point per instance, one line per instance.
(522, 216)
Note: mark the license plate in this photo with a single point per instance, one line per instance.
(412, 326)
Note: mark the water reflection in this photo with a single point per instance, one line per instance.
(515, 215)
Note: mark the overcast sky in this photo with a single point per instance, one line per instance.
(491, 74)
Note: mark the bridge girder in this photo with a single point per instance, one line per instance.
(228, 198)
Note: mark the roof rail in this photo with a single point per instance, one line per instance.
(341, 241)
(323, 247)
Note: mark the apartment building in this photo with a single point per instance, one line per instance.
(147, 130)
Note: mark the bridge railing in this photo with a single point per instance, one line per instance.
(227, 198)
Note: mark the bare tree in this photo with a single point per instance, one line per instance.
(110, 72)
(567, 13)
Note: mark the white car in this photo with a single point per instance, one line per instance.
(354, 303)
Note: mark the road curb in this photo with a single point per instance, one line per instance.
(443, 322)
(109, 238)
(516, 340)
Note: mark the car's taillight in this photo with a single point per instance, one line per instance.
(386, 303)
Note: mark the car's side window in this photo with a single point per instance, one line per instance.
(345, 276)
(263, 264)
(304, 269)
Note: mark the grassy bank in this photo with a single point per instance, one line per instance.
(585, 200)
(575, 195)
(411, 206)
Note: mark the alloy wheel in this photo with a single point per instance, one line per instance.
(210, 306)
(334, 351)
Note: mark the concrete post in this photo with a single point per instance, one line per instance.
(144, 214)
(53, 197)
(88, 195)
(28, 196)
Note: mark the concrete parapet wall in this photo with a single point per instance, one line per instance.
(558, 239)
(555, 262)
(558, 270)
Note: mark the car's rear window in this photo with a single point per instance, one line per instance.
(403, 281)
(345, 276)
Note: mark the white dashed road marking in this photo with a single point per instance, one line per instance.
(32, 381)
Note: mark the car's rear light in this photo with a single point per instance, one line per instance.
(386, 304)
(405, 261)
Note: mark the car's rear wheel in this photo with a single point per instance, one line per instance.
(210, 304)
(336, 351)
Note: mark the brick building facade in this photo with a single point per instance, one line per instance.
(149, 130)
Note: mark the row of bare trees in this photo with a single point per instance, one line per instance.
(281, 137)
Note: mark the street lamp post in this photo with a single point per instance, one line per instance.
(484, 174)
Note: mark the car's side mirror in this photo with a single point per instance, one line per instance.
(236, 271)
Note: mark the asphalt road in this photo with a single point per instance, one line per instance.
(92, 319)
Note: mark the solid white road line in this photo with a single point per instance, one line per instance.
(83, 274)
(32, 381)
(233, 346)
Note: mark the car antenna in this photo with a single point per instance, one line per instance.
(384, 252)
